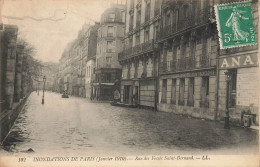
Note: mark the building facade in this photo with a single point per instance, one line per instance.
(239, 79)
(72, 65)
(189, 49)
(109, 44)
(140, 56)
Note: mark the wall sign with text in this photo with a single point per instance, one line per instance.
(238, 61)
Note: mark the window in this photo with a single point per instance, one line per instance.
(177, 16)
(156, 32)
(138, 18)
(112, 17)
(107, 77)
(204, 92)
(146, 35)
(168, 19)
(181, 92)
(109, 46)
(108, 59)
(164, 91)
(147, 11)
(123, 16)
(137, 39)
(191, 92)
(110, 31)
(173, 92)
(185, 11)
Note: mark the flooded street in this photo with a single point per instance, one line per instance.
(74, 125)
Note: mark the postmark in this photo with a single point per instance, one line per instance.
(235, 24)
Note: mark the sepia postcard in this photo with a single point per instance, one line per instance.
(129, 83)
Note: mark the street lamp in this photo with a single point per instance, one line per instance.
(228, 76)
(44, 80)
(38, 87)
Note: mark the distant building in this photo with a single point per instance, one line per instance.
(140, 56)
(90, 43)
(49, 70)
(72, 65)
(110, 36)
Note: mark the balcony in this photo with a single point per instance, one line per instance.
(136, 50)
(188, 63)
(202, 17)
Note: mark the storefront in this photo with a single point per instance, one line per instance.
(238, 85)
(189, 93)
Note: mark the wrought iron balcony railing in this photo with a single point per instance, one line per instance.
(136, 50)
(200, 18)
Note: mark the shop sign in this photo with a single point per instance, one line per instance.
(238, 61)
(195, 74)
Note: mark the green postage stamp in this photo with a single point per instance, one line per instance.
(235, 24)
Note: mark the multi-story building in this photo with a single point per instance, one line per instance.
(238, 88)
(49, 70)
(90, 42)
(72, 69)
(139, 59)
(189, 48)
(109, 44)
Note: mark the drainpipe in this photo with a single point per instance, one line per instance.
(217, 82)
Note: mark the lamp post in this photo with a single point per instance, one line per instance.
(38, 88)
(44, 80)
(228, 80)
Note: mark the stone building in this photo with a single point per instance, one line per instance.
(240, 65)
(189, 48)
(90, 47)
(110, 35)
(72, 64)
(139, 59)
(90, 77)
(49, 70)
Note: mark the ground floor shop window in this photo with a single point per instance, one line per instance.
(164, 91)
(126, 94)
(182, 90)
(204, 92)
(191, 92)
(173, 92)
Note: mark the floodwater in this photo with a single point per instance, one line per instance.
(75, 125)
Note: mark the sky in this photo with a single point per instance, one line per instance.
(49, 25)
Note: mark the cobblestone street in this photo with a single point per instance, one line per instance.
(76, 125)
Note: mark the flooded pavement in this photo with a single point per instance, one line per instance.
(74, 125)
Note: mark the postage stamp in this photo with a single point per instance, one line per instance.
(235, 24)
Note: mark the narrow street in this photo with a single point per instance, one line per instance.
(75, 125)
